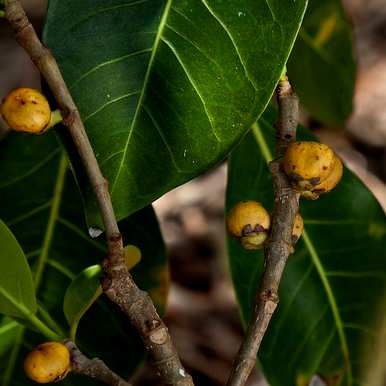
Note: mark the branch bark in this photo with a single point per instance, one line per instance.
(117, 282)
(279, 244)
(93, 368)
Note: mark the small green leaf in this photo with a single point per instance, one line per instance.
(80, 295)
(17, 293)
(322, 65)
(168, 94)
(332, 292)
(85, 289)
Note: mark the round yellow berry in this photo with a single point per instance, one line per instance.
(27, 110)
(249, 222)
(48, 362)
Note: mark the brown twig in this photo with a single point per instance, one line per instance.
(279, 244)
(93, 368)
(117, 282)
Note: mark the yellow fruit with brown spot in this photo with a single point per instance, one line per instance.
(311, 167)
(329, 183)
(249, 222)
(48, 362)
(26, 110)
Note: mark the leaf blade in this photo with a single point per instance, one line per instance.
(322, 65)
(17, 294)
(176, 88)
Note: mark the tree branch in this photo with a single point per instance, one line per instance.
(279, 244)
(93, 368)
(117, 283)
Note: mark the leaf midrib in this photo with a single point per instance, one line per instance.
(143, 90)
(267, 155)
(52, 220)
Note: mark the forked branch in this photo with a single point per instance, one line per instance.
(117, 282)
(279, 243)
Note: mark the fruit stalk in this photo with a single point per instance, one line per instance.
(279, 244)
(117, 282)
(93, 368)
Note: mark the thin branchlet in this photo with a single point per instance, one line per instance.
(93, 368)
(117, 281)
(279, 244)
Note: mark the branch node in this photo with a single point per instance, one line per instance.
(69, 116)
(159, 335)
(270, 296)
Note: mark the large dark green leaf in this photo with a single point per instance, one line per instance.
(17, 293)
(41, 204)
(167, 87)
(334, 284)
(322, 65)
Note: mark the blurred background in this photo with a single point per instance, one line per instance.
(202, 313)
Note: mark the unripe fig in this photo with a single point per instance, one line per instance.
(27, 110)
(249, 222)
(309, 165)
(297, 229)
(48, 362)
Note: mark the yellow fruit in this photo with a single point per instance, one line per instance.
(48, 362)
(329, 183)
(312, 167)
(297, 229)
(249, 222)
(308, 164)
(27, 110)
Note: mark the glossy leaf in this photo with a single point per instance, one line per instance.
(334, 284)
(322, 65)
(17, 294)
(85, 289)
(167, 87)
(42, 207)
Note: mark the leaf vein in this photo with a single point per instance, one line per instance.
(107, 63)
(115, 100)
(225, 28)
(158, 128)
(33, 170)
(75, 229)
(194, 86)
(29, 214)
